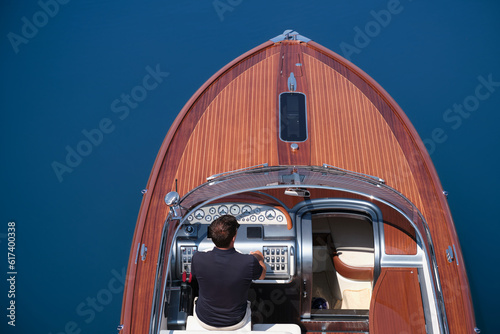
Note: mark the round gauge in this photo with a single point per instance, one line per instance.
(199, 214)
(253, 218)
(190, 217)
(256, 211)
(246, 210)
(223, 210)
(279, 218)
(216, 216)
(261, 218)
(270, 214)
(208, 218)
(234, 209)
(212, 210)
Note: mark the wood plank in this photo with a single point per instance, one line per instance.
(397, 241)
(233, 131)
(400, 312)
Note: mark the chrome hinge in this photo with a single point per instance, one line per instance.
(144, 252)
(451, 254)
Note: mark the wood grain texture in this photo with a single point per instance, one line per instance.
(397, 241)
(339, 326)
(233, 132)
(347, 131)
(400, 239)
(400, 312)
(433, 206)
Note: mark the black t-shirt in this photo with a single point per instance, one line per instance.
(224, 277)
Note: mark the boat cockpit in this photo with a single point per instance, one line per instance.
(335, 245)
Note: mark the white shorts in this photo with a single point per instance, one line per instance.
(246, 320)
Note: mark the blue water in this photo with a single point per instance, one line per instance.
(64, 73)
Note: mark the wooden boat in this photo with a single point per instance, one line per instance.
(327, 176)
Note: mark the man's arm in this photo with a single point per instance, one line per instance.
(258, 255)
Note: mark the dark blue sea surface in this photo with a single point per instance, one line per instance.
(68, 72)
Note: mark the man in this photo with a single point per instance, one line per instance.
(224, 277)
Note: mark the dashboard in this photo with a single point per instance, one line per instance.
(263, 227)
(243, 212)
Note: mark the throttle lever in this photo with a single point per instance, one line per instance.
(185, 292)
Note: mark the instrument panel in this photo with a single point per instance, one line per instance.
(245, 213)
(263, 228)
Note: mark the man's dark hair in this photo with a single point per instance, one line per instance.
(223, 229)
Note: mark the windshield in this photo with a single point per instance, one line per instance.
(299, 177)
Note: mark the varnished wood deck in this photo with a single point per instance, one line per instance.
(232, 122)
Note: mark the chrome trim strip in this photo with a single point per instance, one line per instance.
(269, 281)
(137, 252)
(305, 254)
(356, 205)
(159, 266)
(292, 262)
(455, 251)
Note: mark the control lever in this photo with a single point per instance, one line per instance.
(186, 293)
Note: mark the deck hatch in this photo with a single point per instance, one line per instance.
(293, 117)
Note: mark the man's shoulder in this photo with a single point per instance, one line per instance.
(245, 259)
(243, 255)
(202, 254)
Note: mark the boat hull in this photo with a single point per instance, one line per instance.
(232, 122)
